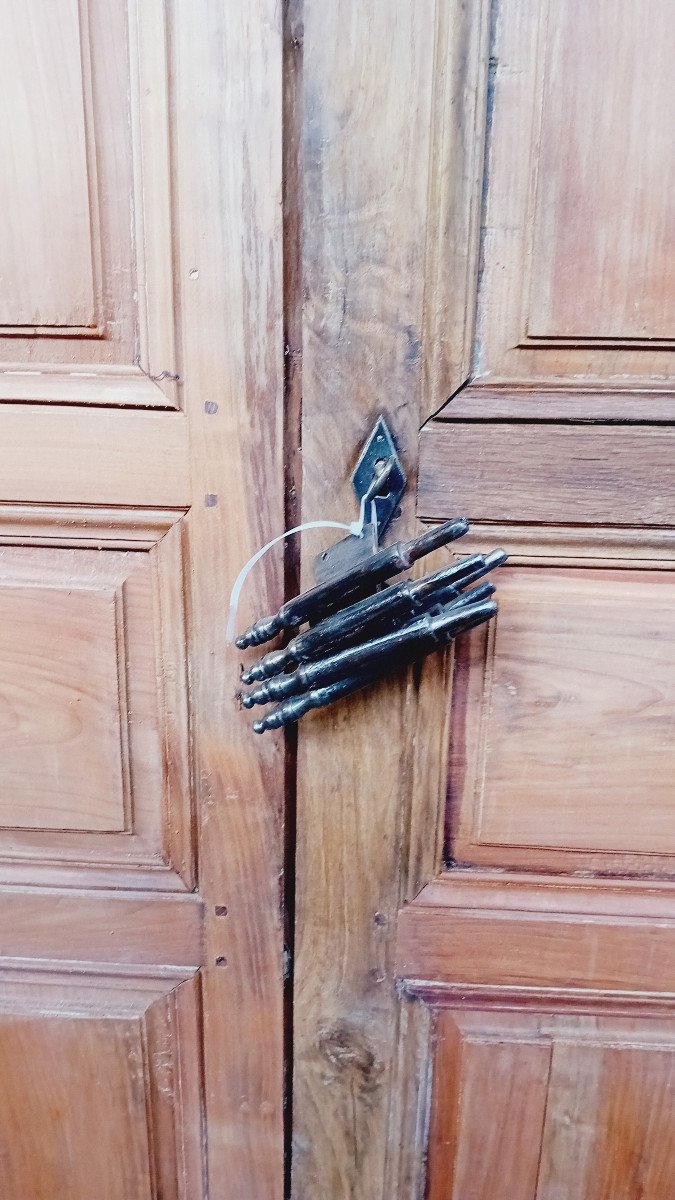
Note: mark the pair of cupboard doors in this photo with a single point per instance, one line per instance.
(426, 946)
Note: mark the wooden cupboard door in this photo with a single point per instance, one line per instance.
(483, 213)
(546, 947)
(141, 829)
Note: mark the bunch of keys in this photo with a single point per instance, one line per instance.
(358, 629)
(357, 634)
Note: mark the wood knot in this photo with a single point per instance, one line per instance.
(350, 1055)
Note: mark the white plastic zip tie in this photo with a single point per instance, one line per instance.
(356, 529)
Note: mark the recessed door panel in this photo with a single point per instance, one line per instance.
(88, 304)
(562, 722)
(107, 1071)
(543, 1106)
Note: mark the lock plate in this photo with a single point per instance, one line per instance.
(378, 460)
(379, 453)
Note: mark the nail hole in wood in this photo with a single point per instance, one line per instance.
(221, 910)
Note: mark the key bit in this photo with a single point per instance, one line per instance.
(324, 599)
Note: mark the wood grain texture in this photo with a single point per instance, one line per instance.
(609, 1128)
(461, 947)
(48, 924)
(47, 266)
(94, 703)
(562, 724)
(554, 1065)
(530, 947)
(573, 285)
(602, 223)
(54, 455)
(63, 727)
(227, 73)
(120, 386)
(488, 402)
(420, 833)
(353, 814)
(369, 774)
(456, 160)
(111, 1081)
(184, 108)
(548, 893)
(487, 1116)
(99, 528)
(600, 474)
(596, 546)
(90, 304)
(532, 1105)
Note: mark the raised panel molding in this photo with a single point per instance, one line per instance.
(529, 1104)
(104, 1072)
(63, 707)
(549, 206)
(554, 1032)
(521, 940)
(590, 474)
(93, 651)
(572, 310)
(50, 254)
(90, 300)
(599, 268)
(456, 153)
(561, 756)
